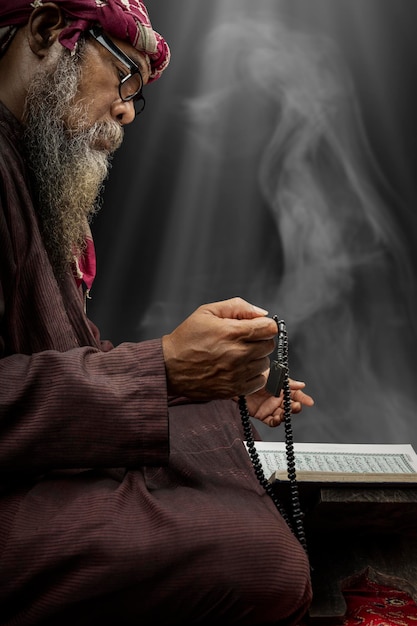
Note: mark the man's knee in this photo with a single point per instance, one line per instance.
(268, 573)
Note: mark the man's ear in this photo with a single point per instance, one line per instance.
(44, 26)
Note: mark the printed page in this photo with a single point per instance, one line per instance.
(341, 458)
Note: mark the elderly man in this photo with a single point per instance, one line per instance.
(127, 495)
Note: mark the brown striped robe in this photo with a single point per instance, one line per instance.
(117, 505)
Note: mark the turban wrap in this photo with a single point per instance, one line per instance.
(124, 19)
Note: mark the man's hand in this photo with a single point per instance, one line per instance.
(269, 409)
(220, 351)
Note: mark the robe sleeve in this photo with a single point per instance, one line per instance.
(84, 408)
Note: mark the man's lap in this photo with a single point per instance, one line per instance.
(178, 541)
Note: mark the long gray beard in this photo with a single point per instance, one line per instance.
(67, 172)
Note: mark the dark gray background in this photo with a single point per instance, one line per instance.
(181, 226)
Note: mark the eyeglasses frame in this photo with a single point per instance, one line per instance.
(138, 97)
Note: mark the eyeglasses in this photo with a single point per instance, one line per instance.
(131, 85)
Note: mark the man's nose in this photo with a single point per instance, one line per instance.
(123, 111)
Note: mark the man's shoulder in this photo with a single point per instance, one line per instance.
(10, 144)
(10, 130)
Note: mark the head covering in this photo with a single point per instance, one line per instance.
(124, 19)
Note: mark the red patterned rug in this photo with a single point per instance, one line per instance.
(376, 600)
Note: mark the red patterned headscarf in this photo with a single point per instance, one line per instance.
(124, 19)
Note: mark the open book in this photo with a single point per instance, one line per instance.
(335, 463)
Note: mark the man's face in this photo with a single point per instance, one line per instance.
(73, 123)
(103, 71)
